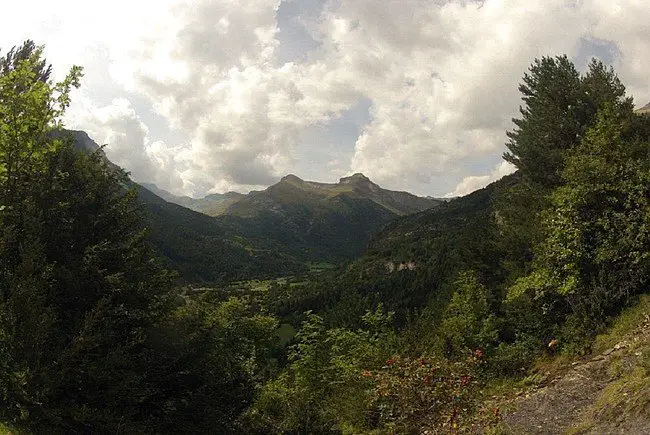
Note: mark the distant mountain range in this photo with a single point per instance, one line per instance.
(212, 205)
(274, 232)
(318, 221)
(291, 190)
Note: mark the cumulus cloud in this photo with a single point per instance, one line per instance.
(474, 182)
(440, 79)
(127, 143)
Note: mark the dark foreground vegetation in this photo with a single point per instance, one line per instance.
(97, 336)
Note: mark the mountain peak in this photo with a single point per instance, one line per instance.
(354, 178)
(291, 178)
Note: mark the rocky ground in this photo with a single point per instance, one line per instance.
(607, 392)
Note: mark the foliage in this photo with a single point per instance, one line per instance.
(323, 388)
(550, 122)
(93, 338)
(412, 394)
(626, 323)
(468, 322)
(595, 254)
(204, 250)
(560, 106)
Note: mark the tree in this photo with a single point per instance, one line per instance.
(93, 335)
(324, 386)
(550, 122)
(560, 106)
(29, 51)
(595, 255)
(468, 323)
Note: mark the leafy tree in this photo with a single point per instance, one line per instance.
(26, 52)
(323, 388)
(412, 394)
(560, 107)
(468, 323)
(551, 121)
(595, 254)
(93, 337)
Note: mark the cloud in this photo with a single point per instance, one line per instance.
(469, 184)
(128, 143)
(625, 24)
(235, 98)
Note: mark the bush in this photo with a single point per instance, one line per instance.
(411, 394)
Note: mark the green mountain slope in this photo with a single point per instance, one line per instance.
(319, 221)
(312, 221)
(198, 246)
(269, 233)
(292, 190)
(413, 261)
(202, 249)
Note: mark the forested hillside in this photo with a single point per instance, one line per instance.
(212, 205)
(480, 289)
(200, 248)
(447, 314)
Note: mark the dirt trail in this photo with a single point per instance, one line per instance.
(575, 402)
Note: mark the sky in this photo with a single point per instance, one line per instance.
(208, 96)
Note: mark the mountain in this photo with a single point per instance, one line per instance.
(212, 205)
(198, 246)
(292, 189)
(269, 233)
(202, 249)
(320, 221)
(413, 261)
(311, 221)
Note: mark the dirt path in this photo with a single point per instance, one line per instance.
(608, 393)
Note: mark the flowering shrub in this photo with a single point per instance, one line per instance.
(417, 393)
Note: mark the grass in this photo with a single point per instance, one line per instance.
(624, 325)
(626, 397)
